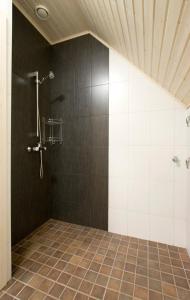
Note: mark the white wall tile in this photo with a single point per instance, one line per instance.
(118, 161)
(187, 113)
(162, 127)
(139, 163)
(118, 68)
(154, 96)
(188, 136)
(159, 99)
(180, 233)
(180, 183)
(188, 217)
(138, 93)
(118, 130)
(180, 199)
(139, 128)
(118, 192)
(188, 188)
(119, 98)
(161, 164)
(117, 221)
(161, 229)
(138, 196)
(180, 128)
(161, 198)
(138, 225)
(180, 169)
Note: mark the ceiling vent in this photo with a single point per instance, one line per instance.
(41, 12)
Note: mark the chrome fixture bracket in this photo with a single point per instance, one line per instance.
(188, 121)
(175, 159)
(187, 162)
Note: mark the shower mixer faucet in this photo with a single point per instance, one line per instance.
(37, 148)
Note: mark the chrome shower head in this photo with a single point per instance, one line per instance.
(51, 75)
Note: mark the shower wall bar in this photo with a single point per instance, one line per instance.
(39, 147)
(36, 74)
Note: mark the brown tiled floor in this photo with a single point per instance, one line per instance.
(66, 261)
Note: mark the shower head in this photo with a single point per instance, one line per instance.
(51, 75)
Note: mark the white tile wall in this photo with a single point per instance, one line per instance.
(139, 128)
(138, 198)
(147, 191)
(161, 229)
(188, 190)
(138, 228)
(116, 136)
(119, 90)
(188, 220)
(117, 193)
(117, 221)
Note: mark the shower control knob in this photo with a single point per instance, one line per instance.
(175, 159)
(29, 149)
(187, 162)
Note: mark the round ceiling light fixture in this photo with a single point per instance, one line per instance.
(41, 12)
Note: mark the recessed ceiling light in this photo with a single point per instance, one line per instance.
(41, 12)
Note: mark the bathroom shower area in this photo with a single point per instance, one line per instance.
(100, 158)
(59, 130)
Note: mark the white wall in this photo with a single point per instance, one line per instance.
(188, 219)
(5, 133)
(188, 191)
(147, 191)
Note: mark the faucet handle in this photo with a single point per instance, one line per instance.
(37, 148)
(29, 149)
(187, 162)
(175, 159)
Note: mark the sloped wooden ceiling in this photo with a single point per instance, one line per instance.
(152, 34)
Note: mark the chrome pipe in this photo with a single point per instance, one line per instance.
(37, 104)
(36, 74)
(41, 165)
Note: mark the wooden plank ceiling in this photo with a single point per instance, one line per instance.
(152, 34)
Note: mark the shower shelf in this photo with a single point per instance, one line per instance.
(52, 131)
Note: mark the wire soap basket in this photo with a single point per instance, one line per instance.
(52, 131)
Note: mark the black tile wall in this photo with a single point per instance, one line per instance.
(79, 167)
(75, 184)
(30, 196)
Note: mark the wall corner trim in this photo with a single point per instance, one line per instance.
(5, 206)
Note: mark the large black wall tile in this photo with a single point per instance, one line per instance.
(62, 104)
(82, 132)
(98, 161)
(83, 158)
(100, 63)
(99, 131)
(98, 192)
(81, 161)
(100, 100)
(82, 106)
(83, 61)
